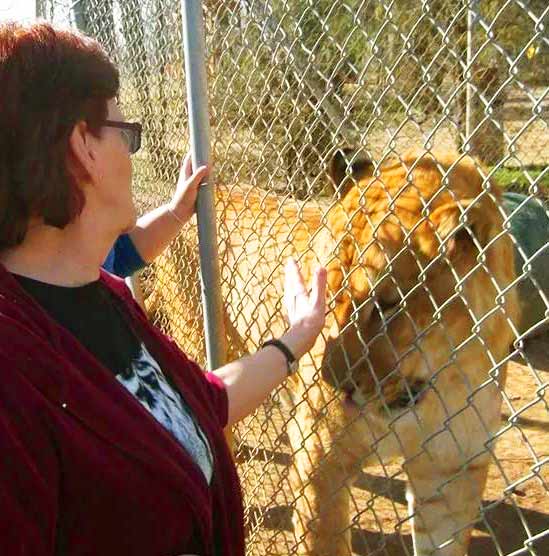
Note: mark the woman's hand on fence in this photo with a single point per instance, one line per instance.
(183, 201)
(250, 379)
(306, 309)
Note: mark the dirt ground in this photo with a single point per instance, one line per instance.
(515, 505)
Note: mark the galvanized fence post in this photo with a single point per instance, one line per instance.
(199, 131)
(39, 9)
(79, 14)
(472, 14)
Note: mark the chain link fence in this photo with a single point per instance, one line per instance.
(420, 419)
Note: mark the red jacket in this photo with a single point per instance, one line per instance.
(84, 468)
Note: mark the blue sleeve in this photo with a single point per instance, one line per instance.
(123, 259)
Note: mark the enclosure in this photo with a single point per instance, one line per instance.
(291, 82)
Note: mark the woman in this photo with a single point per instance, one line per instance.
(155, 230)
(111, 439)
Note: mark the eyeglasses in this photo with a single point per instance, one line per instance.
(131, 132)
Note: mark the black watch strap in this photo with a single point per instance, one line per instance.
(291, 361)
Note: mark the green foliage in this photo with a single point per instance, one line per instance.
(519, 179)
(513, 29)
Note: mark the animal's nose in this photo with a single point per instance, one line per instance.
(341, 381)
(337, 366)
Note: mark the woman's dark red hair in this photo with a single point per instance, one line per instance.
(51, 78)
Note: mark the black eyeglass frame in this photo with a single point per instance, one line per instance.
(132, 132)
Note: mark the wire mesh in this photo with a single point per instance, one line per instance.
(450, 436)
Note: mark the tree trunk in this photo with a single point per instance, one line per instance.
(487, 141)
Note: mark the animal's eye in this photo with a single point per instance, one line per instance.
(385, 305)
(387, 308)
(409, 396)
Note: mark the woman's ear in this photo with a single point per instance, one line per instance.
(81, 156)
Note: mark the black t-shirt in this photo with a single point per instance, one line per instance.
(90, 313)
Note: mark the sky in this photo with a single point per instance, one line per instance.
(17, 9)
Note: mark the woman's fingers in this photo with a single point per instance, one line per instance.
(294, 288)
(187, 166)
(196, 178)
(318, 292)
(184, 198)
(299, 304)
(294, 280)
(289, 297)
(188, 190)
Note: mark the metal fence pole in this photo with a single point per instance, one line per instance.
(472, 11)
(79, 14)
(199, 130)
(39, 9)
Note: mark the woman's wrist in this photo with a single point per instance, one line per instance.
(172, 209)
(299, 340)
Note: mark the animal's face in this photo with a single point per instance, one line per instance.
(421, 254)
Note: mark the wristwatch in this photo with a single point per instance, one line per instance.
(291, 362)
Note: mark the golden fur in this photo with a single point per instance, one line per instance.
(412, 356)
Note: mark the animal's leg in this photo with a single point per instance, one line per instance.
(319, 480)
(444, 504)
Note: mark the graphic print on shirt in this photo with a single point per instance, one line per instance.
(146, 381)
